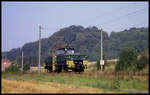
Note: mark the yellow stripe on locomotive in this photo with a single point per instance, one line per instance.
(70, 63)
(53, 61)
(85, 63)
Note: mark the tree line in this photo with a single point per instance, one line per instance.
(85, 41)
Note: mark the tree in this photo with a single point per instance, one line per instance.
(98, 64)
(26, 66)
(13, 67)
(127, 59)
(142, 62)
(87, 41)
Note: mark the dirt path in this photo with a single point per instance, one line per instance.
(135, 91)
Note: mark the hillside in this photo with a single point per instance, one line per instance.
(85, 41)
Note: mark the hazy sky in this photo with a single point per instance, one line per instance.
(20, 20)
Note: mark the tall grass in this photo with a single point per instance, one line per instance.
(107, 80)
(13, 86)
(85, 80)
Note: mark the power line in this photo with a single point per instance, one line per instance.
(113, 20)
(131, 24)
(107, 22)
(113, 23)
(110, 21)
(117, 19)
(114, 11)
(49, 28)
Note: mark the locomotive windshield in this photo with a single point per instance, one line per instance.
(59, 52)
(70, 51)
(64, 51)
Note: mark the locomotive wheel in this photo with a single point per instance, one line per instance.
(75, 70)
(82, 69)
(59, 69)
(79, 68)
(50, 69)
(66, 68)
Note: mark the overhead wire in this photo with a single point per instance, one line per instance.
(112, 20)
(105, 13)
(133, 25)
(99, 15)
(117, 19)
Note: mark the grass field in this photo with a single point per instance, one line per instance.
(91, 81)
(79, 80)
(15, 86)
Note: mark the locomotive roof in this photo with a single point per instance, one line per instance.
(64, 48)
(75, 54)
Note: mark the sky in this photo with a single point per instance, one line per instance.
(21, 20)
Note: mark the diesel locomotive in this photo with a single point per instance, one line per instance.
(64, 59)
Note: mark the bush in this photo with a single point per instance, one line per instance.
(116, 83)
(26, 66)
(12, 68)
(142, 62)
(98, 64)
(127, 59)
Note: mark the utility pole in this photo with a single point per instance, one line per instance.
(39, 69)
(4, 62)
(101, 60)
(22, 63)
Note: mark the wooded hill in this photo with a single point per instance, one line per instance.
(85, 41)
